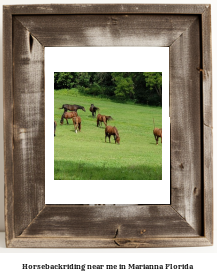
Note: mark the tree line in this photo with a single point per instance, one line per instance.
(140, 87)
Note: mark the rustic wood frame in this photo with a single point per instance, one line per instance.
(188, 220)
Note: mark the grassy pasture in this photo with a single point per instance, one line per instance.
(86, 156)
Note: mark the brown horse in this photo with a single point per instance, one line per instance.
(68, 115)
(157, 133)
(77, 123)
(102, 118)
(55, 125)
(73, 107)
(93, 109)
(112, 130)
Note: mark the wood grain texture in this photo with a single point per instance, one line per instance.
(109, 222)
(29, 139)
(106, 9)
(45, 242)
(8, 126)
(107, 30)
(186, 132)
(186, 30)
(207, 118)
(206, 67)
(208, 182)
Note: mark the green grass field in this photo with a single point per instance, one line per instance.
(86, 156)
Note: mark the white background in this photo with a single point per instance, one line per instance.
(204, 258)
(139, 59)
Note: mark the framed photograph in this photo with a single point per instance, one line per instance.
(118, 87)
(113, 40)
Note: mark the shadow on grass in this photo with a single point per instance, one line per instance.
(69, 170)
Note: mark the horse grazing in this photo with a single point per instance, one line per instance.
(102, 118)
(68, 115)
(73, 107)
(77, 123)
(55, 125)
(109, 130)
(157, 133)
(93, 109)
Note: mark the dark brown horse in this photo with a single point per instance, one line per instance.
(102, 118)
(55, 125)
(73, 107)
(68, 115)
(112, 130)
(93, 109)
(77, 123)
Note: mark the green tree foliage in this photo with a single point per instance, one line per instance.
(124, 85)
(154, 82)
(83, 79)
(63, 80)
(140, 87)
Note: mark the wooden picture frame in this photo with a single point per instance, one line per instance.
(186, 30)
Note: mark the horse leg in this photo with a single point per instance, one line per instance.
(155, 137)
(62, 119)
(109, 138)
(67, 121)
(75, 126)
